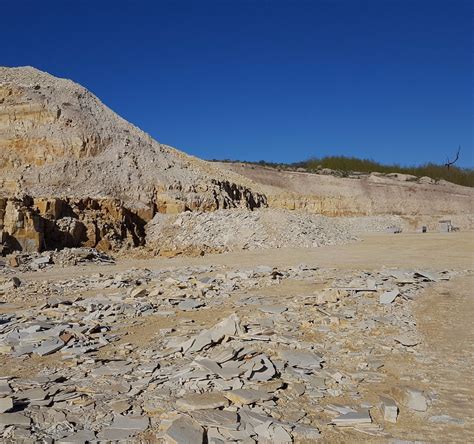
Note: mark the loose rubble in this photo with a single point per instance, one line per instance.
(62, 258)
(265, 370)
(201, 232)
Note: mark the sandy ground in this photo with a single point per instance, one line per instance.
(444, 362)
(429, 250)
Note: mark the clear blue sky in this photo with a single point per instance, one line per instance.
(276, 80)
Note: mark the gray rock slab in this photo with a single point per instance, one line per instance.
(263, 269)
(228, 372)
(228, 327)
(119, 406)
(201, 401)
(124, 427)
(279, 435)
(433, 277)
(265, 373)
(14, 419)
(247, 396)
(216, 418)
(301, 358)
(389, 296)
(273, 309)
(6, 404)
(407, 340)
(389, 409)
(48, 347)
(445, 419)
(138, 423)
(184, 430)
(120, 435)
(190, 304)
(305, 433)
(5, 388)
(416, 400)
(34, 394)
(81, 437)
(353, 418)
(223, 355)
(214, 437)
(241, 436)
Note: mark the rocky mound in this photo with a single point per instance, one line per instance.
(58, 140)
(199, 232)
(59, 143)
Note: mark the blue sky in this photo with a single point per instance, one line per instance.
(277, 80)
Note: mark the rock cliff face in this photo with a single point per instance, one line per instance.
(57, 139)
(421, 201)
(59, 143)
(29, 224)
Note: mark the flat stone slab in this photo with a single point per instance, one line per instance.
(228, 327)
(445, 419)
(184, 430)
(433, 277)
(202, 401)
(407, 340)
(247, 396)
(124, 427)
(272, 432)
(35, 394)
(389, 296)
(353, 418)
(5, 388)
(222, 419)
(301, 358)
(110, 434)
(139, 423)
(48, 348)
(190, 304)
(14, 419)
(227, 372)
(81, 437)
(389, 409)
(304, 432)
(5, 404)
(416, 400)
(273, 309)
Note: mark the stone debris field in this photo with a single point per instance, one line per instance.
(200, 354)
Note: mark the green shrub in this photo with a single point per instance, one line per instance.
(346, 165)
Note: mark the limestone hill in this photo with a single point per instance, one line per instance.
(74, 157)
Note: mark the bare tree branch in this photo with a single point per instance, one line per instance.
(448, 163)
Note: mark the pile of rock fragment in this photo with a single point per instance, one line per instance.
(62, 258)
(254, 376)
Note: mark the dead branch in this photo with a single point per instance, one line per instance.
(448, 163)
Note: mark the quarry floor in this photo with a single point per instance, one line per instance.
(427, 250)
(445, 360)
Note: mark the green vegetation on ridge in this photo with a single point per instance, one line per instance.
(347, 165)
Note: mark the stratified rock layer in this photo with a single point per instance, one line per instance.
(59, 142)
(423, 201)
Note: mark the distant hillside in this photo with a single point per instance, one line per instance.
(421, 201)
(347, 165)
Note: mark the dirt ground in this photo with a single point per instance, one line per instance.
(428, 250)
(444, 362)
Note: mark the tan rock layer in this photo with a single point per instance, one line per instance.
(58, 140)
(35, 224)
(360, 195)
